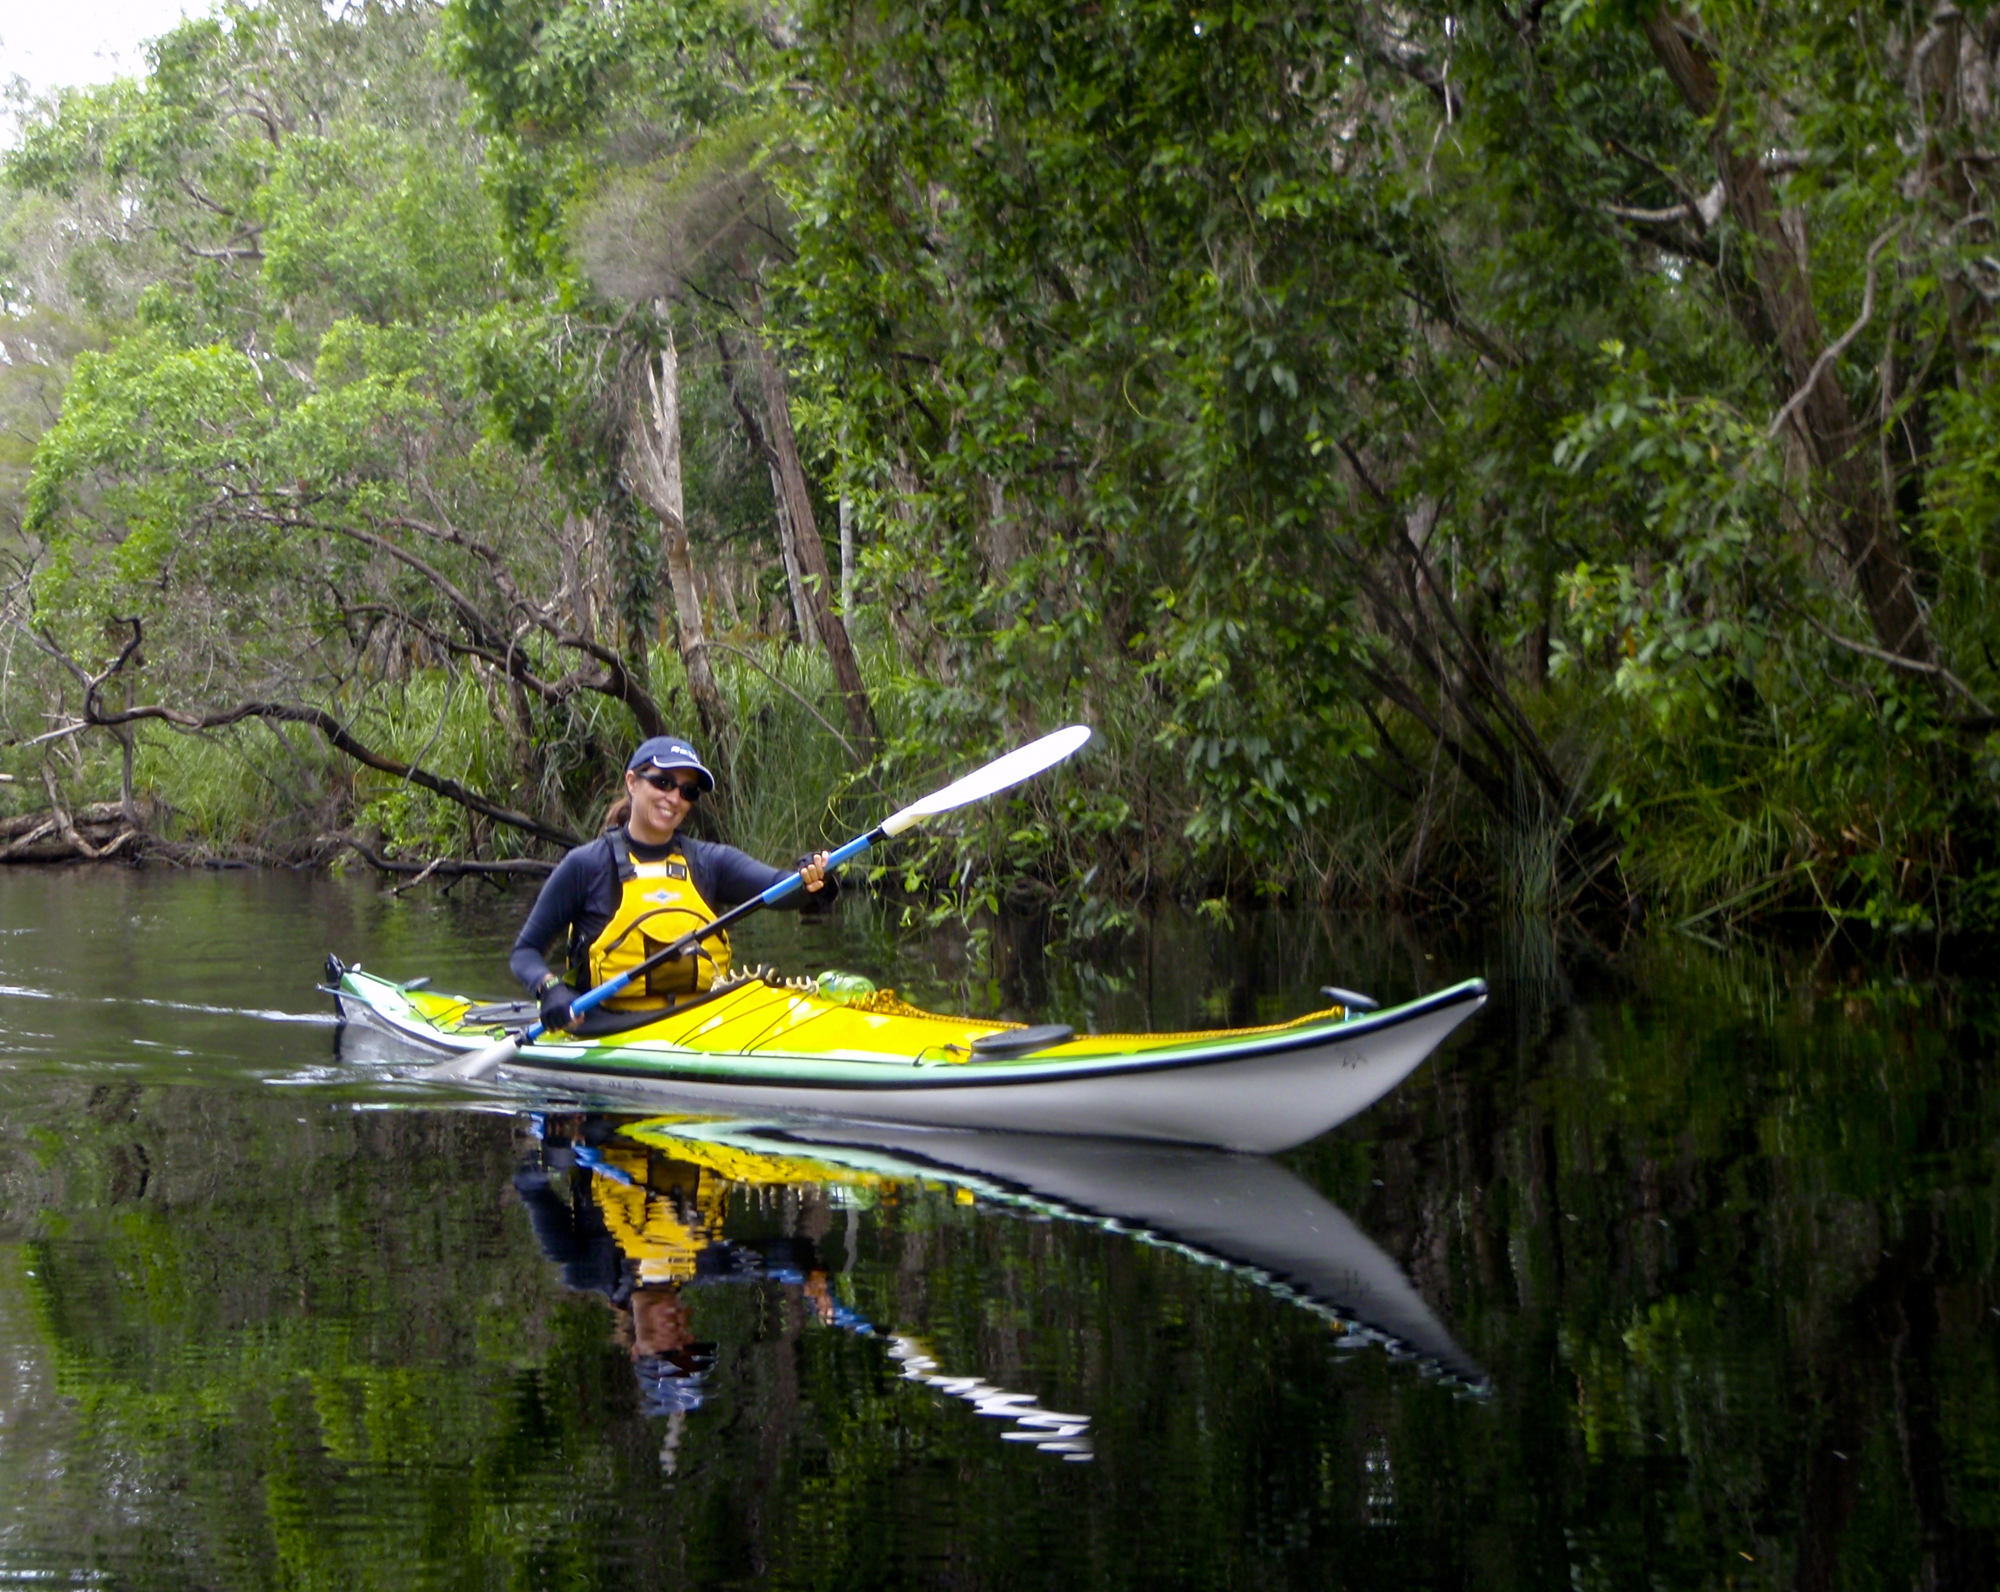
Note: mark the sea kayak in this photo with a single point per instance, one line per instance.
(774, 1044)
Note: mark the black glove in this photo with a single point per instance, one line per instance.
(555, 997)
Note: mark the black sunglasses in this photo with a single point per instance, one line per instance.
(690, 791)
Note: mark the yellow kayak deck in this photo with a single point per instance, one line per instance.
(763, 1017)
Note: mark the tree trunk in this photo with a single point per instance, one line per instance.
(805, 538)
(846, 556)
(788, 551)
(656, 441)
(725, 584)
(1003, 535)
(1823, 421)
(570, 549)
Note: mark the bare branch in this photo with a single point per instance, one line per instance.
(1908, 665)
(1834, 350)
(51, 735)
(336, 734)
(440, 867)
(61, 816)
(738, 652)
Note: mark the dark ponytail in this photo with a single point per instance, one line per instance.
(617, 813)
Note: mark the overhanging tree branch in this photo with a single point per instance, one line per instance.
(336, 734)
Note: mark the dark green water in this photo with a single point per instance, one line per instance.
(1719, 1231)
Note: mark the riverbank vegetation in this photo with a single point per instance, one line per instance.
(1528, 457)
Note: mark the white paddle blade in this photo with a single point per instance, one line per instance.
(478, 1065)
(998, 775)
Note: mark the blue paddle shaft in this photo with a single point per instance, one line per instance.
(793, 881)
(771, 897)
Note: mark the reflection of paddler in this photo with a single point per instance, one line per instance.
(637, 1227)
(661, 1213)
(631, 1230)
(571, 1229)
(656, 1211)
(668, 1362)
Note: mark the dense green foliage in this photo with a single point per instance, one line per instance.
(1531, 457)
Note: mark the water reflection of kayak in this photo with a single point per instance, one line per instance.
(644, 1222)
(772, 1045)
(1243, 1213)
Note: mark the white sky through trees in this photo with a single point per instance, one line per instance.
(68, 43)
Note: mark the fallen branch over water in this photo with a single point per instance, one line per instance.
(337, 735)
(440, 867)
(89, 834)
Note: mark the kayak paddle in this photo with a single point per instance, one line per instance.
(1000, 774)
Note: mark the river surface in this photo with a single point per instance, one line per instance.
(1675, 1268)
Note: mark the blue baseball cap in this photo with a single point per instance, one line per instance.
(670, 751)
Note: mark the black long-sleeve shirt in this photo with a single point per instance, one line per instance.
(581, 896)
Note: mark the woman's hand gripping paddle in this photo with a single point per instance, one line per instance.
(1000, 774)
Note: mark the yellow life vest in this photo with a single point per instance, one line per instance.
(657, 904)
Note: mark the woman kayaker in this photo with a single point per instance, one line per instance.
(639, 887)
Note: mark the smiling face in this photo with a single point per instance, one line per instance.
(656, 813)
